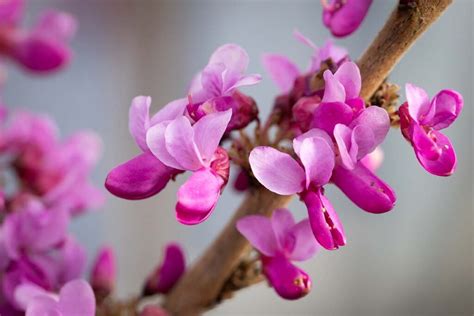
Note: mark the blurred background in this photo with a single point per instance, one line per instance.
(417, 259)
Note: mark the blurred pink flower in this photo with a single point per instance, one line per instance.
(343, 17)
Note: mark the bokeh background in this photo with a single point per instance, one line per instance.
(417, 259)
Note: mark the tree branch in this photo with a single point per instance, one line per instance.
(201, 285)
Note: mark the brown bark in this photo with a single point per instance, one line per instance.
(201, 285)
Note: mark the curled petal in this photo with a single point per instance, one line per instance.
(377, 120)
(325, 223)
(347, 148)
(364, 188)
(179, 138)
(139, 120)
(139, 178)
(303, 39)
(446, 162)
(234, 58)
(246, 80)
(277, 171)
(198, 196)
(289, 281)
(448, 104)
(258, 230)
(282, 70)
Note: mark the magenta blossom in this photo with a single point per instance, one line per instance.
(421, 121)
(144, 175)
(45, 46)
(284, 72)
(214, 89)
(343, 17)
(282, 174)
(167, 274)
(75, 298)
(183, 146)
(280, 240)
(104, 272)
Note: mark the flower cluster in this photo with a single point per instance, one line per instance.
(185, 136)
(44, 183)
(42, 48)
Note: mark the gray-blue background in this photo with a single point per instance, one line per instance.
(416, 259)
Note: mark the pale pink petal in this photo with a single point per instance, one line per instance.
(43, 305)
(364, 188)
(170, 111)
(277, 171)
(212, 79)
(25, 293)
(333, 89)
(246, 80)
(282, 70)
(348, 75)
(77, 298)
(305, 246)
(156, 142)
(139, 178)
(258, 231)
(448, 104)
(343, 137)
(139, 120)
(179, 138)
(419, 105)
(377, 120)
(282, 221)
(314, 132)
(208, 132)
(362, 142)
(317, 158)
(234, 57)
(198, 196)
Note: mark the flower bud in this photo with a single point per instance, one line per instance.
(244, 111)
(104, 272)
(167, 273)
(303, 111)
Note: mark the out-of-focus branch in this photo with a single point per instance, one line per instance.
(200, 287)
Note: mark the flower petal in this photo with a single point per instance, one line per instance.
(448, 104)
(170, 111)
(327, 115)
(333, 89)
(282, 71)
(246, 80)
(325, 223)
(377, 120)
(258, 230)
(348, 74)
(317, 158)
(179, 138)
(418, 102)
(139, 120)
(282, 221)
(305, 246)
(198, 196)
(314, 132)
(277, 171)
(77, 298)
(59, 25)
(139, 178)
(156, 142)
(348, 18)
(364, 188)
(343, 137)
(208, 132)
(234, 57)
(445, 164)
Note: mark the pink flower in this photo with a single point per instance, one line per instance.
(421, 121)
(104, 272)
(214, 89)
(75, 298)
(167, 274)
(282, 174)
(280, 240)
(42, 49)
(144, 175)
(182, 146)
(284, 72)
(343, 17)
